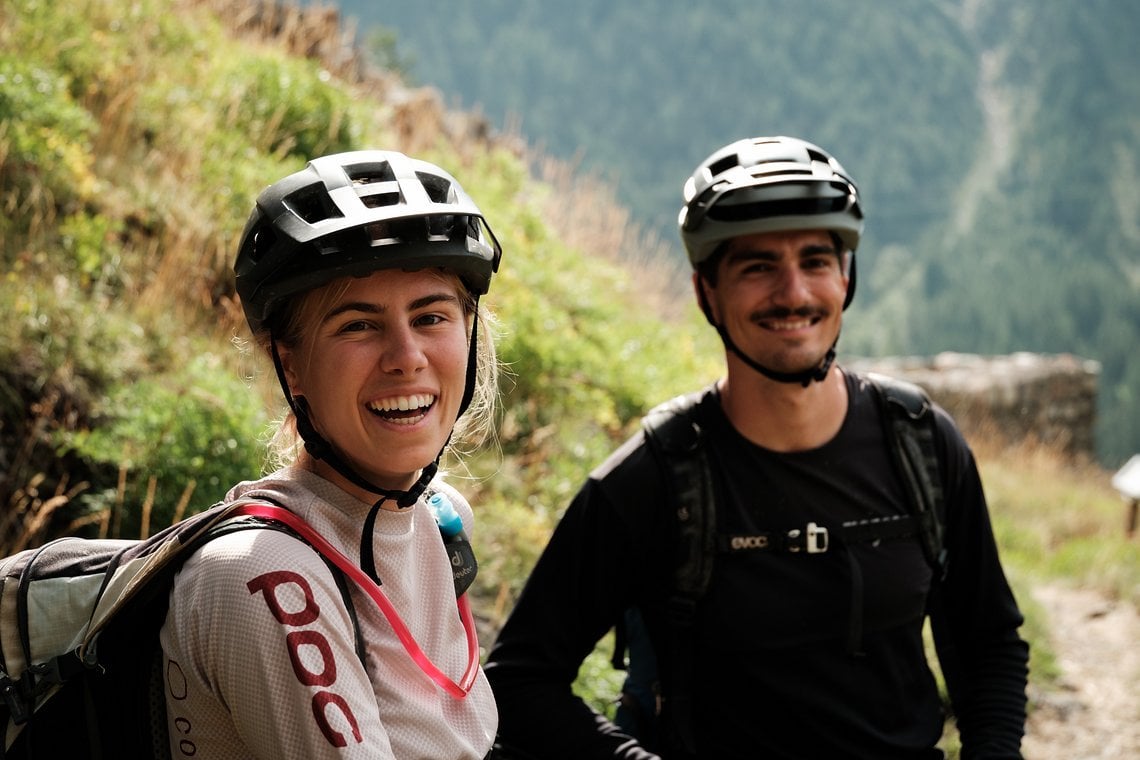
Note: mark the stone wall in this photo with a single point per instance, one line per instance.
(1050, 399)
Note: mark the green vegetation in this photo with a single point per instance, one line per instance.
(127, 179)
(1058, 521)
(133, 137)
(995, 144)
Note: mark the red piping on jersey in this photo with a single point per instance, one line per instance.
(458, 690)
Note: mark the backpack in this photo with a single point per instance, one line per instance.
(80, 660)
(675, 436)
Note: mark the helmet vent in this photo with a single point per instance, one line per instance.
(375, 184)
(312, 204)
(381, 198)
(438, 189)
(723, 165)
(262, 239)
(370, 173)
(777, 208)
(816, 155)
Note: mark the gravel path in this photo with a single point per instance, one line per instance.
(1095, 712)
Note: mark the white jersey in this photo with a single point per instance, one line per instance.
(260, 649)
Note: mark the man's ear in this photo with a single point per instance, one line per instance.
(704, 291)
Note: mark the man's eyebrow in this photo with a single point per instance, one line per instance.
(747, 254)
(811, 249)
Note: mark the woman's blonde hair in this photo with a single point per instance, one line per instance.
(474, 427)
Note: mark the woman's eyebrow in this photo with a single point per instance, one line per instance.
(361, 306)
(367, 307)
(428, 300)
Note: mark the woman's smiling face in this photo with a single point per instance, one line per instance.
(381, 364)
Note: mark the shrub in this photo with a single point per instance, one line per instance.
(285, 106)
(193, 428)
(45, 145)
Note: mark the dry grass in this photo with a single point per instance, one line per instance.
(587, 216)
(1059, 517)
(315, 32)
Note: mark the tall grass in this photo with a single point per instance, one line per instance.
(1059, 520)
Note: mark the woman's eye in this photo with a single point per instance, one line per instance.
(430, 319)
(355, 326)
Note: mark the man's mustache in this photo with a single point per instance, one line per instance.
(783, 312)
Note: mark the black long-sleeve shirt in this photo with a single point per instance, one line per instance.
(796, 655)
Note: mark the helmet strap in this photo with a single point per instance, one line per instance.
(320, 448)
(805, 378)
(472, 362)
(403, 499)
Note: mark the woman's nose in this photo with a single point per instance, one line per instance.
(403, 353)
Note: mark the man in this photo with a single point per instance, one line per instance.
(801, 647)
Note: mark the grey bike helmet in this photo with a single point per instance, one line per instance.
(352, 214)
(767, 184)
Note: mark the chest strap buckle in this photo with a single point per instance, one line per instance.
(813, 539)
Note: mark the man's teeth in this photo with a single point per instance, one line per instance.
(402, 403)
(797, 325)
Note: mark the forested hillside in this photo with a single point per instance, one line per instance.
(996, 142)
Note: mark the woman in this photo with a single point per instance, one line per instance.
(360, 276)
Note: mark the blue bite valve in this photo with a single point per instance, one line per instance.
(449, 521)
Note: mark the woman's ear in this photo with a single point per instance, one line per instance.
(288, 358)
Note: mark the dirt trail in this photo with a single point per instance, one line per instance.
(1096, 712)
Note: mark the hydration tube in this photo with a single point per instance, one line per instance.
(458, 690)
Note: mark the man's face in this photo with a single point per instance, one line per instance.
(780, 297)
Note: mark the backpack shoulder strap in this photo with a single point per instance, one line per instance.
(248, 515)
(107, 627)
(676, 438)
(146, 568)
(908, 420)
